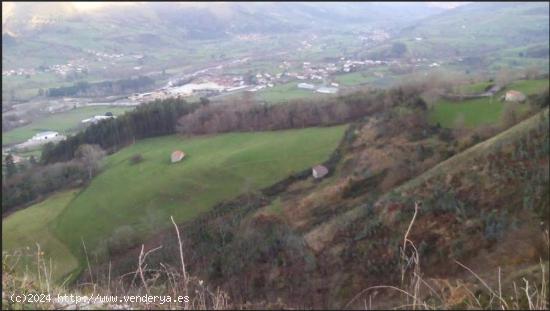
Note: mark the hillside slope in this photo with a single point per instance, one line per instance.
(479, 36)
(128, 202)
(319, 244)
(485, 26)
(58, 32)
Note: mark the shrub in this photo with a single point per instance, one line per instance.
(30, 184)
(509, 115)
(495, 224)
(446, 135)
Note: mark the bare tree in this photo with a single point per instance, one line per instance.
(90, 156)
(504, 77)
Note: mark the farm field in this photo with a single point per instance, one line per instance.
(142, 197)
(284, 92)
(485, 110)
(474, 88)
(23, 229)
(61, 122)
(354, 78)
(530, 87)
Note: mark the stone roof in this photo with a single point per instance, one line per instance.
(320, 171)
(177, 155)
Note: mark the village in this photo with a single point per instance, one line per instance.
(77, 65)
(316, 77)
(244, 74)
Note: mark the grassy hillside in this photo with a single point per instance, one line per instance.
(470, 156)
(143, 196)
(478, 37)
(478, 207)
(22, 230)
(482, 26)
(60, 122)
(485, 110)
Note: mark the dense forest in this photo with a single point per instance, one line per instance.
(148, 120)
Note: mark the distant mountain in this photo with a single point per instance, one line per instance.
(198, 20)
(479, 33)
(56, 32)
(24, 17)
(492, 25)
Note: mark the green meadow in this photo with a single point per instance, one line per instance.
(285, 92)
(61, 122)
(23, 230)
(143, 196)
(355, 78)
(487, 110)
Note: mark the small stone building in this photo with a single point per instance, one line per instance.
(514, 96)
(319, 171)
(177, 156)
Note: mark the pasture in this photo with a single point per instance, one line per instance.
(285, 92)
(486, 110)
(143, 196)
(23, 230)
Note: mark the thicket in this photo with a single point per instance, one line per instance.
(247, 116)
(31, 184)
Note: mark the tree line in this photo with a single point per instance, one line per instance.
(156, 118)
(102, 88)
(75, 160)
(245, 115)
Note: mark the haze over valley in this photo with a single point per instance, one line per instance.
(268, 155)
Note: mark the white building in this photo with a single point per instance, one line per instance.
(306, 86)
(45, 136)
(96, 119)
(327, 90)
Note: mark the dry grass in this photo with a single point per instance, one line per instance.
(416, 292)
(164, 281)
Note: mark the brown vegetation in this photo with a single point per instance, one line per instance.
(246, 116)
